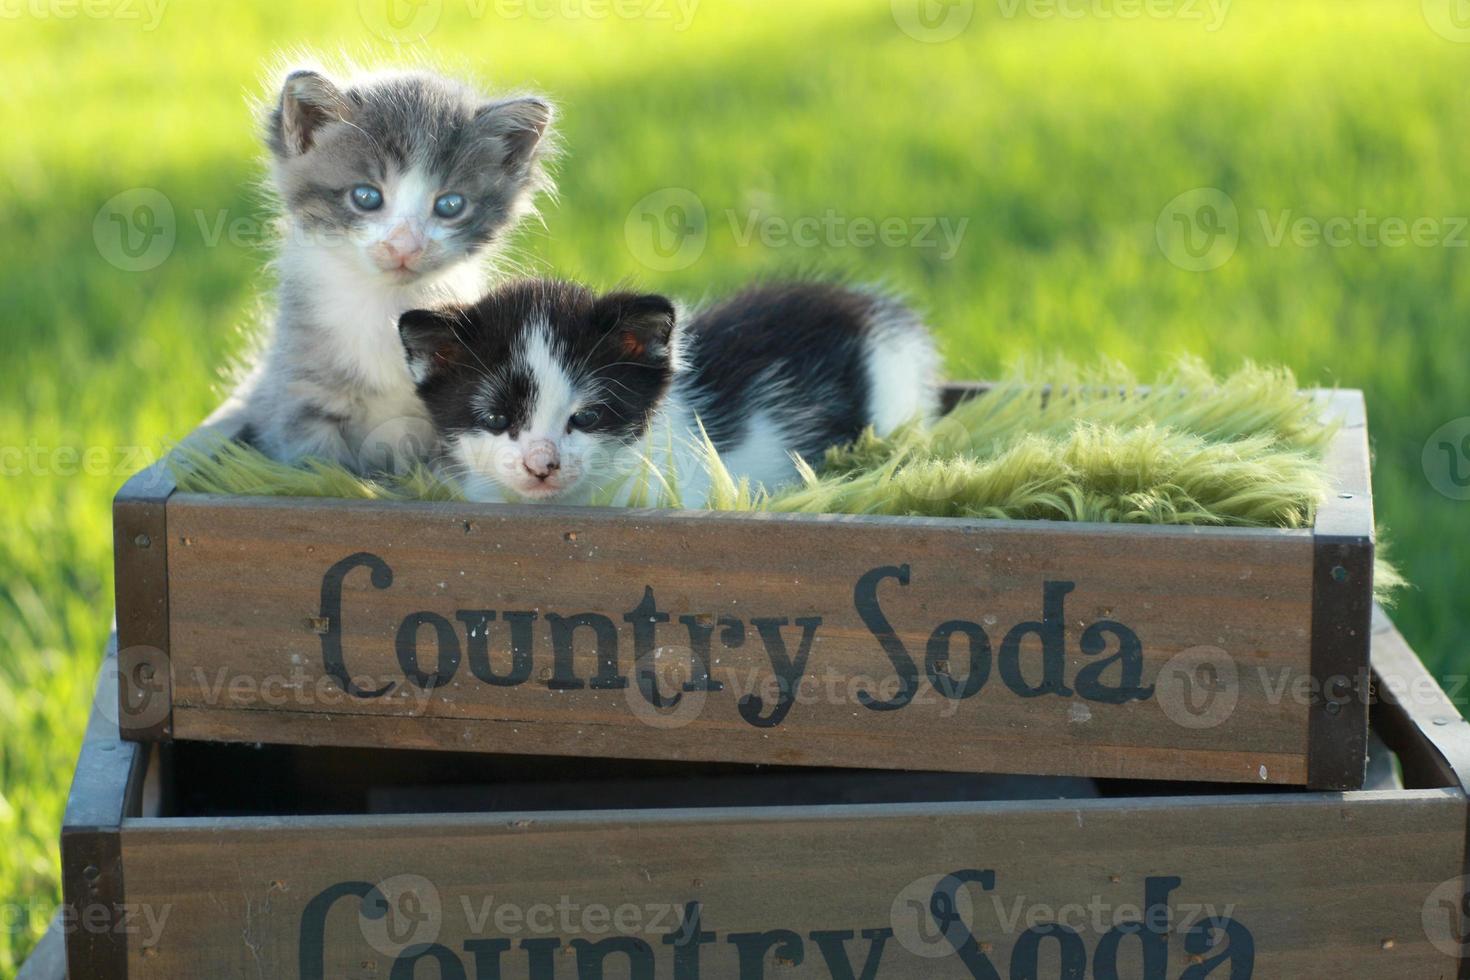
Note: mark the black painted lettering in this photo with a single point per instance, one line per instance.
(789, 671)
(832, 945)
(477, 630)
(406, 645)
(563, 636)
(331, 611)
(1053, 635)
(939, 653)
(865, 600)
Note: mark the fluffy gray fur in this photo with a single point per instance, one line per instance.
(332, 381)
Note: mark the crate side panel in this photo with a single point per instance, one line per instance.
(1068, 649)
(1312, 885)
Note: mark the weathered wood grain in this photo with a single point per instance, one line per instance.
(105, 783)
(246, 590)
(1343, 539)
(1324, 886)
(1314, 884)
(1263, 617)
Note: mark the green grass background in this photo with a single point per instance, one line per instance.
(1061, 139)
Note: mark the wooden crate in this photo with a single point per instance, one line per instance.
(232, 861)
(875, 642)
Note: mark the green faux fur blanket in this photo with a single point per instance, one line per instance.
(1244, 450)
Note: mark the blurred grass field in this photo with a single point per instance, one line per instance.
(710, 141)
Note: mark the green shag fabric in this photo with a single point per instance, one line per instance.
(1244, 450)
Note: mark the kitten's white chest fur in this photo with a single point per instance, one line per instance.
(357, 314)
(358, 384)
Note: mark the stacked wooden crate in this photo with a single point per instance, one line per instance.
(394, 740)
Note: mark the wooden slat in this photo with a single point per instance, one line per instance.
(140, 562)
(140, 565)
(246, 583)
(1342, 602)
(1324, 885)
(92, 870)
(1280, 605)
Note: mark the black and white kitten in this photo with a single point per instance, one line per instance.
(394, 189)
(543, 391)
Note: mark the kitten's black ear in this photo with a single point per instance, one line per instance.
(520, 123)
(431, 341)
(308, 101)
(641, 326)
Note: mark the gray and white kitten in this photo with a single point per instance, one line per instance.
(394, 189)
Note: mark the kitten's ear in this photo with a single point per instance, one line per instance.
(431, 341)
(642, 327)
(308, 101)
(520, 123)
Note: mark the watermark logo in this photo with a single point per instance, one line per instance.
(679, 14)
(1199, 687)
(1446, 917)
(1446, 459)
(135, 231)
(403, 912)
(1210, 13)
(667, 695)
(933, 916)
(400, 21)
(1450, 19)
(141, 674)
(397, 445)
(834, 230)
(933, 21)
(1199, 230)
(668, 230)
(147, 13)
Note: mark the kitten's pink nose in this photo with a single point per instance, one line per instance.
(541, 459)
(402, 246)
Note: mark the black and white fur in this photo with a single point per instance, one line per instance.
(544, 391)
(332, 382)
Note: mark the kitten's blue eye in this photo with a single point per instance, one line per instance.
(449, 205)
(585, 419)
(367, 197)
(497, 425)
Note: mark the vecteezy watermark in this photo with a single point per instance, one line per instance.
(678, 14)
(1199, 687)
(668, 229)
(1211, 13)
(403, 917)
(1446, 459)
(138, 230)
(135, 230)
(35, 459)
(400, 21)
(1361, 230)
(935, 916)
(1446, 917)
(146, 13)
(933, 21)
(142, 922)
(1201, 230)
(401, 913)
(1450, 19)
(411, 21)
(832, 230)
